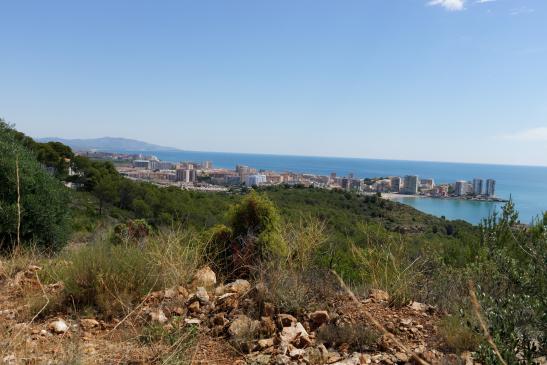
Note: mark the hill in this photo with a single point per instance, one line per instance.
(107, 144)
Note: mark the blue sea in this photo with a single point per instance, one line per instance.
(526, 185)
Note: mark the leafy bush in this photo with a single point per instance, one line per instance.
(458, 334)
(134, 232)
(43, 199)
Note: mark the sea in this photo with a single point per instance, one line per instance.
(525, 185)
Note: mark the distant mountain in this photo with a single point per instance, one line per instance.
(107, 144)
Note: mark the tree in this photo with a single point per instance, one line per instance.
(43, 198)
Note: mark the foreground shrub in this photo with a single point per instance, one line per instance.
(113, 278)
(253, 235)
(134, 232)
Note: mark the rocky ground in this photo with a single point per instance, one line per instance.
(210, 323)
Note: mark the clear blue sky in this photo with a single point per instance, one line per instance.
(446, 80)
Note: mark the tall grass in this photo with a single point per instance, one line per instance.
(112, 278)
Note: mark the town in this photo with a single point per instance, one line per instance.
(203, 176)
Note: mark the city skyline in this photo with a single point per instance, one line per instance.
(442, 80)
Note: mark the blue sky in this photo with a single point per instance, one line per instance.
(444, 80)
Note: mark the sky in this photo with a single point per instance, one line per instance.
(437, 80)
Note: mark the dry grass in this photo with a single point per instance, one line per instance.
(457, 336)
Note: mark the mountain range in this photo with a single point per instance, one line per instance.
(107, 144)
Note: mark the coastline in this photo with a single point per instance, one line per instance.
(395, 196)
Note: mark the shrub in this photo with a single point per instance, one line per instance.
(134, 232)
(357, 335)
(458, 334)
(43, 198)
(112, 278)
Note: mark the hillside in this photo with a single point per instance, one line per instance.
(118, 271)
(107, 144)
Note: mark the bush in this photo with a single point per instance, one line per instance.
(113, 278)
(43, 198)
(134, 232)
(358, 336)
(458, 334)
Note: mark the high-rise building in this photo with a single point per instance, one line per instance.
(490, 187)
(207, 165)
(141, 164)
(427, 183)
(186, 175)
(477, 186)
(396, 184)
(411, 184)
(460, 188)
(255, 180)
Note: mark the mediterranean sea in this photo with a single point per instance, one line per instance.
(526, 185)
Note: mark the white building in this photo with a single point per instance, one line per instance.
(460, 187)
(255, 180)
(141, 164)
(186, 175)
(396, 184)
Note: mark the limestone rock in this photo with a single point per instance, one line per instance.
(285, 320)
(205, 277)
(239, 286)
(89, 323)
(157, 315)
(292, 334)
(58, 326)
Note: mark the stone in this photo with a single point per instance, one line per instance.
(379, 295)
(58, 326)
(319, 317)
(194, 307)
(182, 291)
(258, 359)
(9, 360)
(192, 321)
(239, 286)
(297, 353)
(169, 293)
(157, 315)
(282, 360)
(202, 295)
(293, 333)
(89, 323)
(219, 319)
(419, 307)
(265, 343)
(204, 277)
(242, 327)
(401, 357)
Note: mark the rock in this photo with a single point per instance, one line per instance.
(265, 343)
(219, 319)
(355, 359)
(317, 355)
(201, 295)
(182, 292)
(88, 323)
(378, 295)
(192, 321)
(285, 320)
(319, 317)
(401, 357)
(282, 360)
(228, 301)
(58, 326)
(239, 286)
(194, 307)
(204, 277)
(157, 315)
(297, 353)
(9, 360)
(169, 293)
(258, 359)
(292, 334)
(419, 307)
(242, 327)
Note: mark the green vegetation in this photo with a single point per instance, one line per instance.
(286, 238)
(27, 188)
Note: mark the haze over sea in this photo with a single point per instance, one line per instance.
(527, 185)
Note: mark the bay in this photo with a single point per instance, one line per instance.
(526, 185)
